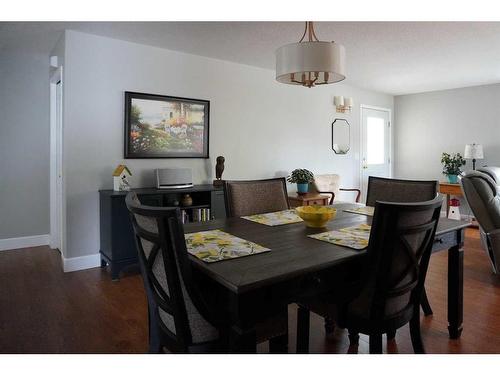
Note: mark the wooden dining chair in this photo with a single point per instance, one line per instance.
(251, 197)
(395, 190)
(180, 317)
(183, 314)
(388, 296)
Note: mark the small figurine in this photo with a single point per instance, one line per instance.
(120, 178)
(219, 168)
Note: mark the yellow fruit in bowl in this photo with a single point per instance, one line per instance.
(316, 216)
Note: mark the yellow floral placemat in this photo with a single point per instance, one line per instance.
(275, 218)
(367, 210)
(215, 245)
(355, 237)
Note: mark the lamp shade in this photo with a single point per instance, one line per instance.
(320, 62)
(338, 101)
(473, 151)
(349, 102)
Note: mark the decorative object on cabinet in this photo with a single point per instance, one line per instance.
(310, 62)
(341, 136)
(301, 177)
(186, 200)
(219, 169)
(451, 166)
(473, 151)
(120, 178)
(159, 126)
(117, 246)
(343, 105)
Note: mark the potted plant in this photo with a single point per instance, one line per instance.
(451, 166)
(301, 177)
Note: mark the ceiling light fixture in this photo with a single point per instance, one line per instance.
(310, 62)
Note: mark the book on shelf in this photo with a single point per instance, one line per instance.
(200, 214)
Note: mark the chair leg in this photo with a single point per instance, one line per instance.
(426, 306)
(329, 326)
(415, 334)
(279, 344)
(376, 344)
(391, 334)
(353, 338)
(303, 316)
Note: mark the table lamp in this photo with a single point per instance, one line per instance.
(473, 151)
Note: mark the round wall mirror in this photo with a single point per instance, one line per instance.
(341, 136)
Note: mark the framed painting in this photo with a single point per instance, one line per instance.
(159, 126)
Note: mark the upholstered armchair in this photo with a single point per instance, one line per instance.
(482, 193)
(329, 184)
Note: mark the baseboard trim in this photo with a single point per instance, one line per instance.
(81, 263)
(22, 242)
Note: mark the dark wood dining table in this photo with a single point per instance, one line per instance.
(254, 287)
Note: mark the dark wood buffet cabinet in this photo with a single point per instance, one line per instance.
(117, 246)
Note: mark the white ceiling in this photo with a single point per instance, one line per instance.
(395, 58)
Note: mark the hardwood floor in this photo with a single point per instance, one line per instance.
(43, 310)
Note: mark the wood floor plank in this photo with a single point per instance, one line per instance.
(43, 310)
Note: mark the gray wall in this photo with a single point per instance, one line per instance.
(263, 128)
(24, 144)
(429, 124)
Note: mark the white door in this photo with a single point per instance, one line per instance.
(375, 145)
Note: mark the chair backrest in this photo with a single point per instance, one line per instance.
(253, 197)
(173, 298)
(493, 172)
(398, 253)
(482, 196)
(326, 183)
(393, 190)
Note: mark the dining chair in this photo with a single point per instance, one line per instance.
(251, 197)
(388, 296)
(395, 190)
(330, 184)
(183, 314)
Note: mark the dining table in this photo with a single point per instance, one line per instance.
(252, 288)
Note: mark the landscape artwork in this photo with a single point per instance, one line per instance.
(165, 127)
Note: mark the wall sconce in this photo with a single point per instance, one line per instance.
(343, 105)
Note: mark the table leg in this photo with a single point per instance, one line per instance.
(242, 340)
(455, 288)
(448, 196)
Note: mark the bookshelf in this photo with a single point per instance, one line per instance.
(117, 243)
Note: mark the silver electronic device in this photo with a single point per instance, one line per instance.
(174, 178)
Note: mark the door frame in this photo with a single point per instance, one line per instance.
(391, 139)
(57, 236)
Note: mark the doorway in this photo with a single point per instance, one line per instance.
(376, 145)
(56, 163)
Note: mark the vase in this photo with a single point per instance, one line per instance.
(187, 200)
(302, 188)
(452, 178)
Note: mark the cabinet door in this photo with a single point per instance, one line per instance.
(122, 233)
(218, 207)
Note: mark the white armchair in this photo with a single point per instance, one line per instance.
(329, 184)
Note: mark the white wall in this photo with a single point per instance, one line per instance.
(428, 124)
(263, 128)
(24, 144)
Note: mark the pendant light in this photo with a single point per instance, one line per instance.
(310, 62)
